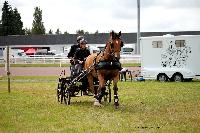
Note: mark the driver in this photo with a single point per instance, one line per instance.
(79, 57)
(81, 54)
(71, 54)
(74, 47)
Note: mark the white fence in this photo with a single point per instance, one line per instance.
(44, 59)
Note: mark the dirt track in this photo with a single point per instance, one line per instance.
(42, 71)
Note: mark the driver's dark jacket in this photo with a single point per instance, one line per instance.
(81, 55)
(73, 50)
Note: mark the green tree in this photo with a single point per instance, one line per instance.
(37, 25)
(50, 32)
(80, 32)
(6, 19)
(27, 31)
(11, 23)
(1, 28)
(58, 31)
(96, 32)
(86, 33)
(66, 33)
(17, 23)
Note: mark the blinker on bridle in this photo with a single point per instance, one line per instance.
(112, 54)
(112, 44)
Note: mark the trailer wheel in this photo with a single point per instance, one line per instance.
(162, 77)
(178, 77)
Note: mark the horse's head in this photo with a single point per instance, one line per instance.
(115, 43)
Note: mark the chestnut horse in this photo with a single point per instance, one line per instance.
(106, 66)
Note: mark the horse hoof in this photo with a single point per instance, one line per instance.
(96, 103)
(116, 105)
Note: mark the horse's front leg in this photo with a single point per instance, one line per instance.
(100, 91)
(115, 88)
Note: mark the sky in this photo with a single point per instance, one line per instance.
(107, 15)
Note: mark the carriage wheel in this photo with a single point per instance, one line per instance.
(63, 88)
(59, 92)
(66, 94)
(67, 97)
(75, 91)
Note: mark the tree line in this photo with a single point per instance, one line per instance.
(11, 23)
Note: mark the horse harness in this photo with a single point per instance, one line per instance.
(106, 64)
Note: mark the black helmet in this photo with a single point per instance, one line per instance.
(79, 38)
(83, 41)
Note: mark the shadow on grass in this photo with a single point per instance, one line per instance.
(87, 103)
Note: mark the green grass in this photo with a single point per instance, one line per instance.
(131, 65)
(144, 107)
(64, 65)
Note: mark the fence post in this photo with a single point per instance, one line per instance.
(8, 66)
(60, 64)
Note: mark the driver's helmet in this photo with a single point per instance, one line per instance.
(79, 38)
(83, 41)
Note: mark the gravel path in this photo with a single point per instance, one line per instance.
(34, 71)
(43, 71)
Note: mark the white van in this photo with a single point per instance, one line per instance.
(128, 49)
(170, 57)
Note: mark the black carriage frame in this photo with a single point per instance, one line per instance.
(70, 86)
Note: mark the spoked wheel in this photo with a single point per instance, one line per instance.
(75, 91)
(63, 88)
(67, 97)
(59, 92)
(65, 94)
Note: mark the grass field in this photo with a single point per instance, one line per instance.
(144, 107)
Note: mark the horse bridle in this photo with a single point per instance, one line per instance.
(112, 54)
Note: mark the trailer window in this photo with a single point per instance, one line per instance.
(157, 44)
(180, 43)
(127, 49)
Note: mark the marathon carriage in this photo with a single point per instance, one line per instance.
(71, 86)
(100, 69)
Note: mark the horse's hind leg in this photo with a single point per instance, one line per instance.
(115, 88)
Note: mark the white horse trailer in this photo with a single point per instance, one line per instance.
(169, 57)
